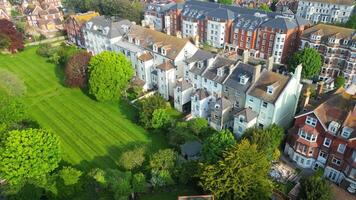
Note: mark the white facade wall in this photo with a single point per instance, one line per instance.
(189, 29)
(216, 33)
(324, 12)
(200, 108)
(181, 97)
(278, 47)
(155, 21)
(240, 127)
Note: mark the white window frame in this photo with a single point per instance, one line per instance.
(327, 139)
(341, 148)
(311, 121)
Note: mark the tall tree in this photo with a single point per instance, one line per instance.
(132, 159)
(241, 174)
(160, 118)
(267, 140)
(315, 187)
(8, 29)
(309, 58)
(148, 106)
(28, 154)
(109, 74)
(216, 144)
(162, 165)
(339, 82)
(77, 69)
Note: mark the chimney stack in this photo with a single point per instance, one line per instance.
(245, 56)
(270, 62)
(319, 88)
(306, 97)
(256, 73)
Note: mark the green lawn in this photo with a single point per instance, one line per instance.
(92, 134)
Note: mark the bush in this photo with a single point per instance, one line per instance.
(45, 50)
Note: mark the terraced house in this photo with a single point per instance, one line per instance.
(264, 34)
(337, 46)
(324, 136)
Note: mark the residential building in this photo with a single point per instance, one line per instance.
(253, 3)
(326, 11)
(154, 15)
(74, 25)
(323, 136)
(5, 9)
(102, 32)
(158, 58)
(337, 47)
(46, 19)
(275, 97)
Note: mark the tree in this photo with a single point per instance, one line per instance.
(45, 50)
(160, 118)
(162, 165)
(99, 176)
(12, 110)
(339, 82)
(216, 144)
(242, 173)
(314, 187)
(28, 154)
(267, 140)
(139, 183)
(148, 106)
(132, 159)
(351, 23)
(309, 58)
(4, 41)
(16, 39)
(265, 7)
(109, 74)
(199, 126)
(69, 175)
(227, 2)
(77, 69)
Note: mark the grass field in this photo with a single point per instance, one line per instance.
(92, 134)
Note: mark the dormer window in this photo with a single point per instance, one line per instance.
(163, 51)
(200, 64)
(241, 119)
(221, 71)
(311, 121)
(243, 79)
(270, 89)
(346, 42)
(130, 39)
(333, 127)
(106, 30)
(155, 48)
(137, 41)
(346, 132)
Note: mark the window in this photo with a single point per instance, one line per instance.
(307, 136)
(346, 131)
(264, 104)
(242, 119)
(215, 84)
(311, 121)
(251, 100)
(336, 161)
(327, 142)
(341, 148)
(322, 154)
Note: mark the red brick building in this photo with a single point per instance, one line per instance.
(74, 24)
(325, 136)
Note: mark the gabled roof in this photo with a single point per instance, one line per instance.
(327, 31)
(149, 37)
(248, 114)
(212, 72)
(200, 55)
(221, 13)
(281, 23)
(81, 18)
(184, 85)
(165, 66)
(268, 78)
(115, 25)
(233, 79)
(201, 93)
(145, 57)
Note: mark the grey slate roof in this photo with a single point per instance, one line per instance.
(281, 23)
(191, 148)
(221, 13)
(224, 103)
(200, 55)
(115, 25)
(201, 93)
(184, 85)
(160, 8)
(249, 22)
(247, 113)
(212, 72)
(233, 80)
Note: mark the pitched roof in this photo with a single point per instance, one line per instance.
(165, 66)
(268, 78)
(212, 72)
(281, 23)
(200, 55)
(233, 79)
(248, 114)
(81, 18)
(201, 93)
(327, 31)
(149, 37)
(145, 57)
(115, 26)
(183, 84)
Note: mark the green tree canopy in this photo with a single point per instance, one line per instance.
(216, 144)
(309, 58)
(162, 165)
(132, 158)
(339, 82)
(12, 110)
(139, 183)
(315, 187)
(28, 154)
(227, 2)
(267, 140)
(109, 74)
(70, 175)
(160, 118)
(148, 106)
(265, 7)
(242, 173)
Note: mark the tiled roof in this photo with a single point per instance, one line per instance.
(184, 85)
(327, 31)
(200, 55)
(248, 114)
(281, 23)
(84, 17)
(165, 66)
(201, 93)
(149, 37)
(212, 72)
(145, 57)
(115, 25)
(268, 78)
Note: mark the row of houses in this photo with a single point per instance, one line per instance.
(228, 93)
(263, 34)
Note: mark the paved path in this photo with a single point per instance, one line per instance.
(46, 41)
